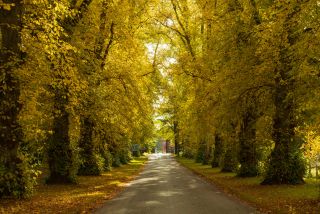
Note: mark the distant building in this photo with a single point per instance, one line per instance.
(163, 146)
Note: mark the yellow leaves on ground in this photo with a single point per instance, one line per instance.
(88, 195)
(267, 198)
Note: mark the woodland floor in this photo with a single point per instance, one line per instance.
(89, 194)
(266, 198)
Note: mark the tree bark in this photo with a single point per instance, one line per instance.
(309, 169)
(230, 161)
(176, 137)
(286, 166)
(248, 151)
(89, 165)
(60, 153)
(218, 150)
(317, 167)
(88, 153)
(63, 168)
(11, 135)
(286, 163)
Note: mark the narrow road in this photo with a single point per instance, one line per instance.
(164, 187)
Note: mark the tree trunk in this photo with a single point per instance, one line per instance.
(218, 150)
(176, 137)
(60, 153)
(89, 163)
(207, 155)
(248, 154)
(88, 154)
(230, 161)
(286, 162)
(17, 181)
(286, 165)
(317, 169)
(309, 169)
(200, 156)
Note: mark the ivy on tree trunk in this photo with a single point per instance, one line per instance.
(89, 163)
(61, 156)
(217, 152)
(248, 157)
(15, 171)
(286, 163)
(176, 137)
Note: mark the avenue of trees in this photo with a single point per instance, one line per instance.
(76, 89)
(235, 82)
(243, 93)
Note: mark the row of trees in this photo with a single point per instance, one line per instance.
(76, 88)
(239, 87)
(243, 91)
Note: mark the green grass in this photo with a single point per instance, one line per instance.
(268, 198)
(88, 195)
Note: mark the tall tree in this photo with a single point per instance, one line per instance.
(15, 177)
(61, 155)
(286, 163)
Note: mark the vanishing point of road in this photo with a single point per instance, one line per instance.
(165, 187)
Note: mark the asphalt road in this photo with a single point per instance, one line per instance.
(164, 187)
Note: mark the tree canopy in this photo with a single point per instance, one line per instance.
(233, 83)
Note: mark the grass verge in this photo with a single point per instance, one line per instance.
(266, 198)
(85, 197)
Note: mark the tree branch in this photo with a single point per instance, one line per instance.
(106, 52)
(73, 21)
(253, 90)
(185, 34)
(102, 28)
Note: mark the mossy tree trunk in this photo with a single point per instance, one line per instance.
(203, 153)
(88, 153)
(176, 138)
(248, 157)
(230, 160)
(309, 169)
(217, 151)
(15, 176)
(286, 162)
(200, 156)
(207, 154)
(61, 156)
(229, 163)
(286, 165)
(317, 169)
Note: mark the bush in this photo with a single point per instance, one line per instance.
(286, 170)
(108, 159)
(93, 165)
(217, 152)
(125, 156)
(17, 178)
(200, 153)
(230, 163)
(187, 153)
(136, 153)
(116, 160)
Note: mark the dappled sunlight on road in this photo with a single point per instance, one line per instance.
(159, 156)
(165, 187)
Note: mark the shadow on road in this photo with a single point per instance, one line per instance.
(164, 187)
